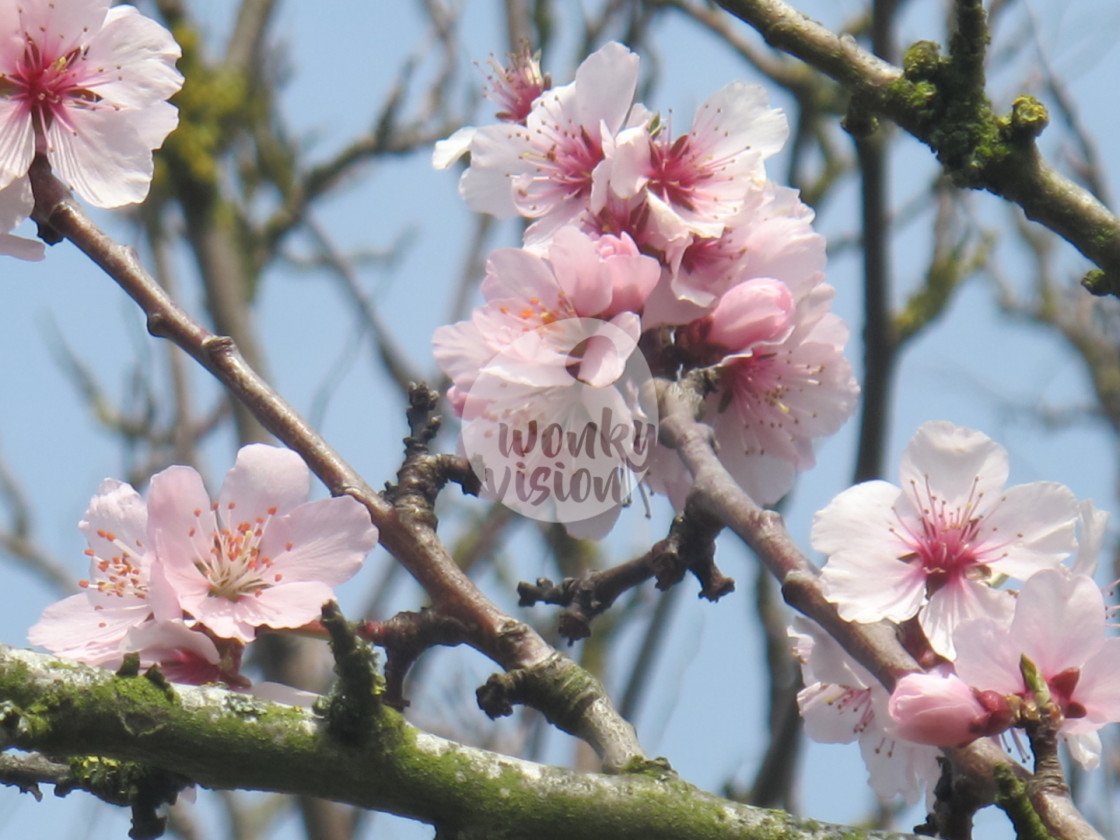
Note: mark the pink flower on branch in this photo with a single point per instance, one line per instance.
(935, 547)
(693, 184)
(261, 556)
(942, 710)
(842, 702)
(86, 85)
(90, 626)
(1059, 626)
(186, 582)
(554, 164)
(529, 295)
(783, 383)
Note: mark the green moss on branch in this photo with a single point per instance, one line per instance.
(222, 739)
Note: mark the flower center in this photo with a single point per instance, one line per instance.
(946, 544)
(45, 86)
(234, 565)
(120, 574)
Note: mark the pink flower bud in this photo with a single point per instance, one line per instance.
(939, 710)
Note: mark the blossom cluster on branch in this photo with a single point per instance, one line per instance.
(935, 556)
(680, 243)
(649, 259)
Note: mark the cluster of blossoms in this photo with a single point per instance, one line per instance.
(933, 555)
(85, 85)
(681, 243)
(188, 583)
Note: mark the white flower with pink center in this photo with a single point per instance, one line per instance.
(935, 547)
(842, 702)
(261, 556)
(698, 181)
(783, 383)
(87, 85)
(554, 165)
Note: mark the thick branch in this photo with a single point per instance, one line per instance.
(226, 740)
(935, 103)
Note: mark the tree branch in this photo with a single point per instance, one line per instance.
(875, 646)
(407, 525)
(937, 101)
(222, 739)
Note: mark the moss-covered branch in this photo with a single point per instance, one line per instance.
(937, 99)
(222, 739)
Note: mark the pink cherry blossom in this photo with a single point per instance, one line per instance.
(934, 547)
(783, 383)
(87, 85)
(90, 627)
(514, 88)
(261, 556)
(554, 164)
(842, 702)
(1059, 625)
(694, 183)
(528, 299)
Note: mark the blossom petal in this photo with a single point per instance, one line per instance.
(264, 481)
(17, 142)
(957, 463)
(958, 601)
(1059, 620)
(1033, 527)
(324, 541)
(130, 61)
(101, 154)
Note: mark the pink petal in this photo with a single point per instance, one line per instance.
(604, 86)
(329, 539)
(1059, 620)
(264, 481)
(101, 154)
(117, 515)
(1033, 527)
(988, 656)
(579, 271)
(88, 627)
(958, 601)
(16, 204)
(131, 60)
(17, 143)
(955, 463)
(1098, 688)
